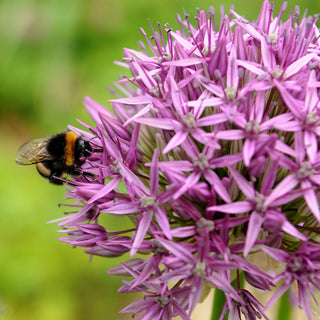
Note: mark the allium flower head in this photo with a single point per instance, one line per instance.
(212, 152)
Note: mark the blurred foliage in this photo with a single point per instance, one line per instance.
(53, 53)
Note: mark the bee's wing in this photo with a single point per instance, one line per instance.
(33, 151)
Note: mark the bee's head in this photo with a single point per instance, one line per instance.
(82, 149)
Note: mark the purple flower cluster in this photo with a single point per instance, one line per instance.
(213, 153)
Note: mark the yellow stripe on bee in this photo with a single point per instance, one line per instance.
(71, 138)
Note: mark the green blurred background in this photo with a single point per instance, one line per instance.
(53, 53)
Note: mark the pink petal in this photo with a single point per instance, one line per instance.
(311, 199)
(254, 228)
(242, 183)
(175, 141)
(233, 208)
(105, 189)
(142, 229)
(248, 151)
(285, 186)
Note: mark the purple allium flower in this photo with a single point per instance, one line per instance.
(213, 153)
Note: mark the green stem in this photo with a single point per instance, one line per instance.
(285, 309)
(219, 300)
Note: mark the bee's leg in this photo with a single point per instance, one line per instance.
(88, 174)
(78, 172)
(55, 179)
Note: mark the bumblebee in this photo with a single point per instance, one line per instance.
(56, 155)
